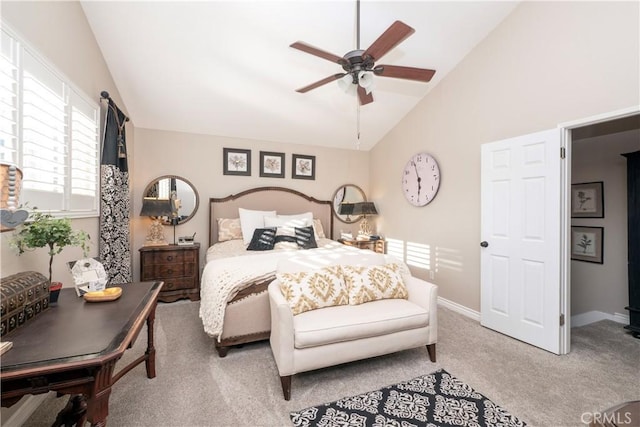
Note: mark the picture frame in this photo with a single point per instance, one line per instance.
(236, 161)
(587, 244)
(303, 167)
(271, 164)
(587, 200)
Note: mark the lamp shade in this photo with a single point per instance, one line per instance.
(156, 207)
(364, 208)
(346, 208)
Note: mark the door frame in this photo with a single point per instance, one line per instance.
(565, 226)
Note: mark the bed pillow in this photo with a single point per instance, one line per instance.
(310, 290)
(229, 229)
(374, 282)
(317, 227)
(263, 239)
(305, 237)
(250, 220)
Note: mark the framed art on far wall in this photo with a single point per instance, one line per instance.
(587, 200)
(236, 161)
(271, 164)
(587, 244)
(303, 167)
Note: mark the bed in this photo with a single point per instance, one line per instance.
(246, 315)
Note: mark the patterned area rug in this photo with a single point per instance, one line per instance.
(437, 399)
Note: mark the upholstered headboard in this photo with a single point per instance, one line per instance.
(283, 200)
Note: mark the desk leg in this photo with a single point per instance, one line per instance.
(98, 400)
(150, 361)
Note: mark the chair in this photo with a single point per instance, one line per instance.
(338, 334)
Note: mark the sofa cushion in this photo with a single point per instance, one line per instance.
(310, 290)
(348, 323)
(374, 282)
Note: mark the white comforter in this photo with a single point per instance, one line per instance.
(223, 278)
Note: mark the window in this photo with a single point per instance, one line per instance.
(50, 130)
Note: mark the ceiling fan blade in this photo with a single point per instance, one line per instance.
(409, 73)
(393, 36)
(320, 83)
(364, 97)
(317, 52)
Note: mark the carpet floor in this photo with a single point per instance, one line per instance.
(194, 387)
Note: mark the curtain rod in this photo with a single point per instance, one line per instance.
(105, 95)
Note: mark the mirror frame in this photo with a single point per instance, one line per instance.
(334, 208)
(177, 177)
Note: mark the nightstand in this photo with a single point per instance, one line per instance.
(379, 246)
(177, 266)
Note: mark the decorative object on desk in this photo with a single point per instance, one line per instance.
(587, 243)
(23, 297)
(421, 179)
(364, 209)
(45, 230)
(236, 162)
(186, 240)
(347, 194)
(10, 185)
(109, 294)
(156, 208)
(587, 200)
(88, 275)
(303, 167)
(271, 164)
(54, 292)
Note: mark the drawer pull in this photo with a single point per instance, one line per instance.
(169, 285)
(170, 258)
(170, 271)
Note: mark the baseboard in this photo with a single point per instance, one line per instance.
(458, 308)
(589, 317)
(25, 408)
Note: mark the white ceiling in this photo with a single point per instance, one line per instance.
(225, 67)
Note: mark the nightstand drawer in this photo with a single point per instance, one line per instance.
(180, 283)
(163, 271)
(169, 257)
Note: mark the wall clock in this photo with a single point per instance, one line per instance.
(421, 179)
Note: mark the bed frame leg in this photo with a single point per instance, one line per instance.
(222, 351)
(431, 349)
(286, 386)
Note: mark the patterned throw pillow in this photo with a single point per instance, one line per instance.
(229, 229)
(310, 290)
(374, 282)
(317, 227)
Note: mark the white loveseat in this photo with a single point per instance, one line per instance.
(338, 334)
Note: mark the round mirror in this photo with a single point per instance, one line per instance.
(182, 194)
(343, 200)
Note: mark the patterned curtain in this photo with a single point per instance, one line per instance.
(114, 198)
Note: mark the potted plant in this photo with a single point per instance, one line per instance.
(55, 233)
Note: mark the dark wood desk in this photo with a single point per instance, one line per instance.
(73, 347)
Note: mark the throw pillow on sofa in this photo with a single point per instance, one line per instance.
(310, 290)
(374, 282)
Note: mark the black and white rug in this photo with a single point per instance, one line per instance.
(437, 399)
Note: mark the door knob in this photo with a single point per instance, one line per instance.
(484, 244)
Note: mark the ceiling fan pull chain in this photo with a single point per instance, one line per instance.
(357, 124)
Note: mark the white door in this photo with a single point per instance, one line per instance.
(521, 238)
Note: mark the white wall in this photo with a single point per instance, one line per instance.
(198, 158)
(547, 63)
(604, 287)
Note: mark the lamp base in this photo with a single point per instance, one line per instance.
(156, 234)
(365, 228)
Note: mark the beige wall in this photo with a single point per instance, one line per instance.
(547, 63)
(59, 32)
(604, 287)
(198, 158)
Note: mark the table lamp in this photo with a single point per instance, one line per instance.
(364, 209)
(156, 208)
(346, 209)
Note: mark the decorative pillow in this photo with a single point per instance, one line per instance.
(310, 290)
(374, 282)
(305, 237)
(286, 225)
(263, 239)
(317, 227)
(284, 241)
(250, 220)
(229, 229)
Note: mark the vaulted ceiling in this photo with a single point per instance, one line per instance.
(225, 67)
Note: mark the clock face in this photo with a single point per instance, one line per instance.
(420, 179)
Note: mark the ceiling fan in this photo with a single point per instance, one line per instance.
(359, 65)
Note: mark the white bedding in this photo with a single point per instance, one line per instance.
(231, 268)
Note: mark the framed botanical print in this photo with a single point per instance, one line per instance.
(587, 200)
(587, 243)
(303, 167)
(236, 161)
(271, 164)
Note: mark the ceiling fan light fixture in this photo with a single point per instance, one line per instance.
(345, 83)
(365, 80)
